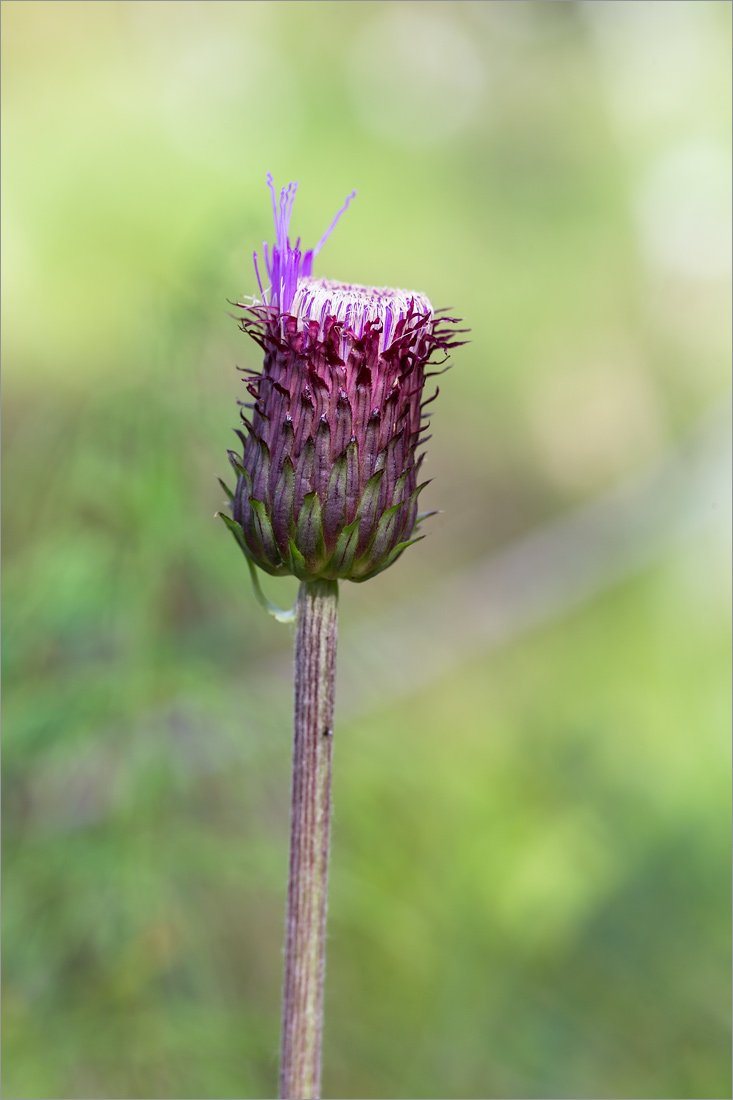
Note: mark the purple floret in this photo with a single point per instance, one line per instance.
(285, 264)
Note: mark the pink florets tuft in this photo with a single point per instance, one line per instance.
(285, 263)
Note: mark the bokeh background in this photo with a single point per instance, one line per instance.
(530, 876)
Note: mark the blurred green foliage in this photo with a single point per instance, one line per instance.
(530, 887)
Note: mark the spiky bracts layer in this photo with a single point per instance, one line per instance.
(328, 480)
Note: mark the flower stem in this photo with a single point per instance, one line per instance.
(305, 943)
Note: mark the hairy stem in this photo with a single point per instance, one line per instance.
(305, 943)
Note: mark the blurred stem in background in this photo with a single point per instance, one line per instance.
(305, 946)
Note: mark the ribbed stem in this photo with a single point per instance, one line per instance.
(305, 942)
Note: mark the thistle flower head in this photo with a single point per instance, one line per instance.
(328, 479)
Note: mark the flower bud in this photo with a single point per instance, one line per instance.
(328, 481)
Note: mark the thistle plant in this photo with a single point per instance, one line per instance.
(327, 489)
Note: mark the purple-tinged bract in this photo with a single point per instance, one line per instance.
(329, 478)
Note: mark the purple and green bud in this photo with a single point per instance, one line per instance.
(328, 481)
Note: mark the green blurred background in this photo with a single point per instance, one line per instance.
(530, 875)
